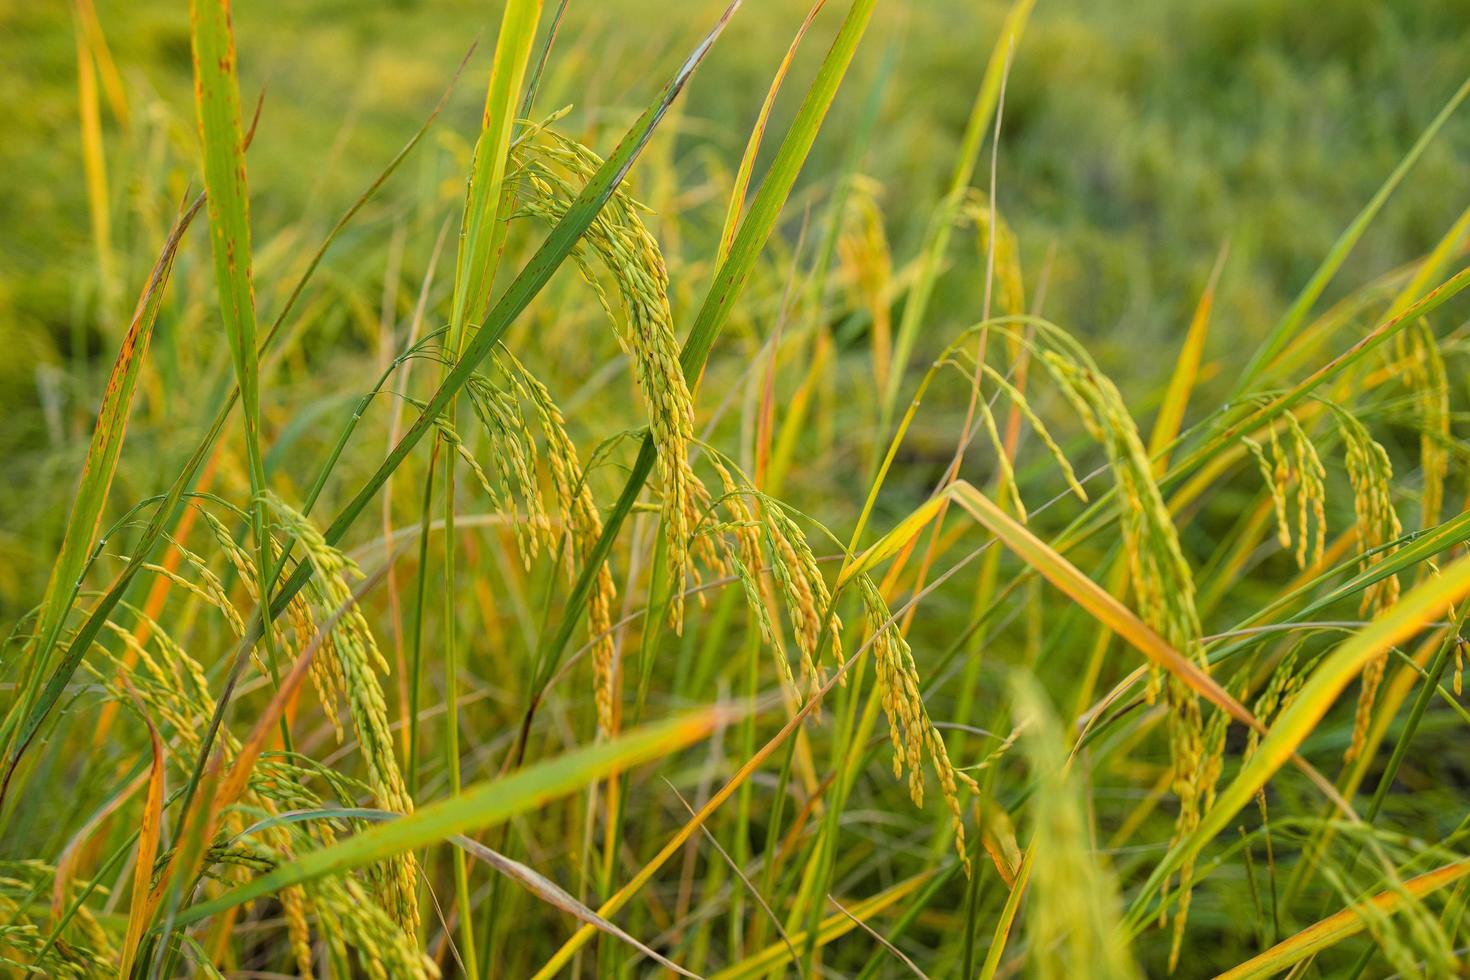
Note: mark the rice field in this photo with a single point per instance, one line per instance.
(832, 489)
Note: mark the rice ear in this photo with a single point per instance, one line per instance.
(1371, 476)
(356, 661)
(620, 242)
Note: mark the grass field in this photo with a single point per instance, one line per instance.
(863, 490)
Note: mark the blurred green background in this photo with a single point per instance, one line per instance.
(1136, 138)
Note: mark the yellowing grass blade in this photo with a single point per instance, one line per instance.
(1119, 618)
(140, 907)
(112, 83)
(94, 165)
(482, 805)
(894, 541)
(1422, 605)
(1092, 597)
(1186, 371)
(1007, 918)
(1349, 922)
(88, 501)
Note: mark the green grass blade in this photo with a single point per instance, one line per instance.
(758, 224)
(482, 805)
(757, 132)
(475, 266)
(82, 525)
(102, 455)
(1286, 328)
(479, 252)
(217, 99)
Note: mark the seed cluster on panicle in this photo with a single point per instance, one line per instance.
(740, 540)
(1423, 372)
(1293, 461)
(172, 687)
(911, 732)
(1162, 584)
(1371, 476)
(26, 926)
(581, 524)
(808, 600)
(757, 541)
(500, 412)
(350, 663)
(549, 167)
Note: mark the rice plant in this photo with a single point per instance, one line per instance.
(715, 554)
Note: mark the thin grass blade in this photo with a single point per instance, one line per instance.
(140, 909)
(1286, 328)
(483, 805)
(1332, 930)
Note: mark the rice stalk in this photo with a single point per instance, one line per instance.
(581, 527)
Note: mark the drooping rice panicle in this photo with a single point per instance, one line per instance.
(354, 653)
(1371, 476)
(1162, 583)
(911, 732)
(808, 600)
(514, 452)
(582, 526)
(1293, 462)
(1424, 373)
(619, 240)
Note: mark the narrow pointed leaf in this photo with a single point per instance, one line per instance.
(1424, 604)
(140, 909)
(482, 805)
(1286, 328)
(1332, 930)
